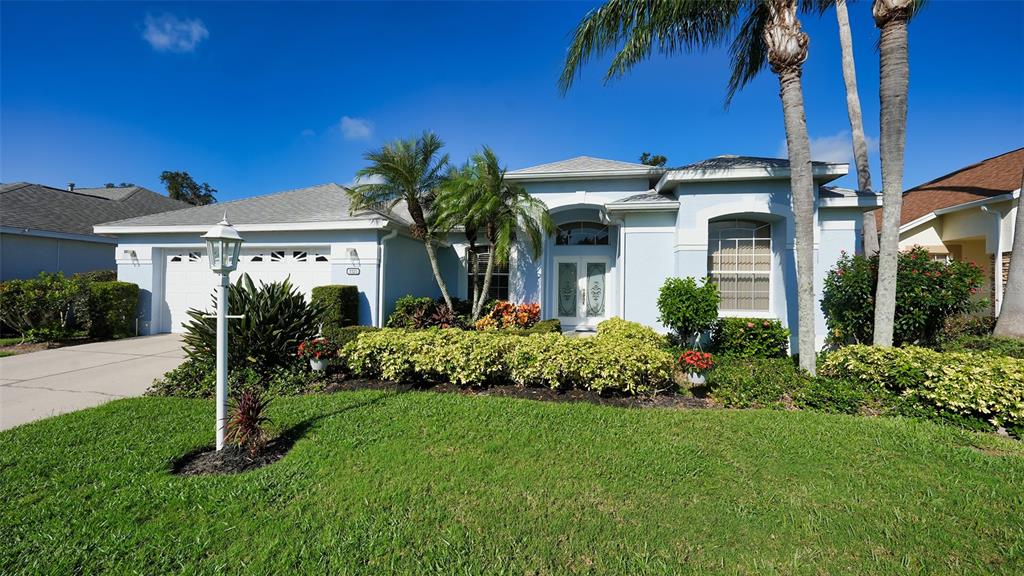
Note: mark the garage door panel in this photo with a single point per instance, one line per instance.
(189, 282)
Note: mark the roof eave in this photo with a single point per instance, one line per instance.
(583, 175)
(643, 206)
(371, 224)
(822, 173)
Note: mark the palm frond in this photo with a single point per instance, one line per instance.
(748, 52)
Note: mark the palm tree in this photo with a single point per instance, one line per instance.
(762, 32)
(891, 17)
(1011, 313)
(408, 170)
(869, 230)
(478, 197)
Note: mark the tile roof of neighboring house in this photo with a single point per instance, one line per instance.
(992, 177)
(729, 161)
(585, 164)
(320, 203)
(38, 207)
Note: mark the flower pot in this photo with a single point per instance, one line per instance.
(318, 364)
(696, 378)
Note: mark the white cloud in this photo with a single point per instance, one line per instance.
(308, 133)
(168, 33)
(356, 128)
(835, 148)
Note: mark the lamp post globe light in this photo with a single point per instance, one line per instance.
(222, 247)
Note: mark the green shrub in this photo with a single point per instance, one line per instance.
(611, 360)
(961, 325)
(411, 312)
(927, 293)
(43, 308)
(995, 344)
(842, 396)
(957, 385)
(194, 378)
(276, 317)
(686, 307)
(96, 276)
(755, 382)
(542, 327)
(749, 338)
(341, 335)
(340, 304)
(113, 307)
(617, 327)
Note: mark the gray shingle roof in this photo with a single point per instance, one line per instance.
(38, 207)
(837, 192)
(729, 161)
(584, 164)
(320, 203)
(645, 198)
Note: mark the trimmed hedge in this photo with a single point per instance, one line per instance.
(339, 304)
(750, 338)
(982, 386)
(112, 309)
(622, 356)
(1002, 346)
(553, 325)
(755, 382)
(342, 335)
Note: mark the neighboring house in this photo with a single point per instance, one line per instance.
(44, 229)
(968, 215)
(623, 229)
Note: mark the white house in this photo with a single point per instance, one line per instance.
(623, 228)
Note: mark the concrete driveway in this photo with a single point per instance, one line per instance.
(50, 382)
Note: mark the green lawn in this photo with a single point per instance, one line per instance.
(423, 483)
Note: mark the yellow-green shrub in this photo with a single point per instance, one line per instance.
(988, 386)
(621, 357)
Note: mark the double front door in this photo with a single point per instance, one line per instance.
(582, 290)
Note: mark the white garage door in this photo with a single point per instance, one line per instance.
(189, 282)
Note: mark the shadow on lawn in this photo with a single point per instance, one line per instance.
(234, 460)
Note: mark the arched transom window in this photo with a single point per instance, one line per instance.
(740, 263)
(582, 234)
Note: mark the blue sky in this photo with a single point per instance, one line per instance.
(257, 98)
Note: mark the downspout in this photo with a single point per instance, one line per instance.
(380, 276)
(997, 265)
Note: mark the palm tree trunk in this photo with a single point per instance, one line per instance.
(802, 184)
(432, 256)
(1011, 314)
(891, 16)
(869, 230)
(488, 274)
(787, 50)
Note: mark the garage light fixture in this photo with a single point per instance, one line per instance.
(222, 246)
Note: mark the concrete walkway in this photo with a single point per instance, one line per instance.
(50, 382)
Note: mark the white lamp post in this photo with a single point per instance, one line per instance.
(222, 246)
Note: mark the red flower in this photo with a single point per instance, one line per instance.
(750, 324)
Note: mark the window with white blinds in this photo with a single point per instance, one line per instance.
(740, 263)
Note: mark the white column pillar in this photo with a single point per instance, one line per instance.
(222, 358)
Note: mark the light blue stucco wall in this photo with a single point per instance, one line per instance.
(648, 260)
(24, 256)
(407, 271)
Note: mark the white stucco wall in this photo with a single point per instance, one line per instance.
(141, 260)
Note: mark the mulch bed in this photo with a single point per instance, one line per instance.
(230, 460)
(664, 400)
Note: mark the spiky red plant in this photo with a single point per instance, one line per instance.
(245, 427)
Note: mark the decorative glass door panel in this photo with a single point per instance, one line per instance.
(568, 279)
(595, 289)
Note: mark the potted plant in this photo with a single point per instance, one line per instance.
(696, 364)
(317, 350)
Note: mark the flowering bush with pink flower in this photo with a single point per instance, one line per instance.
(927, 292)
